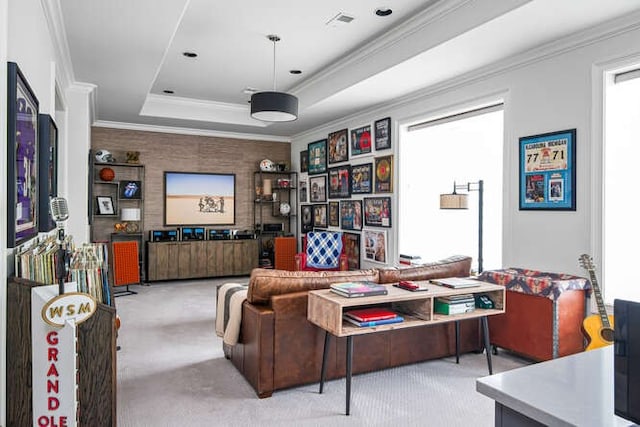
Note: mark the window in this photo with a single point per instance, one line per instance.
(621, 153)
(464, 148)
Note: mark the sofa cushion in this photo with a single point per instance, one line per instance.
(265, 283)
(324, 249)
(454, 266)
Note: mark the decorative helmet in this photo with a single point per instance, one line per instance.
(104, 156)
(267, 166)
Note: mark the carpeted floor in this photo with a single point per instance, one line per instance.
(172, 372)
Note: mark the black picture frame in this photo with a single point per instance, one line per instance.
(340, 182)
(304, 161)
(105, 206)
(382, 133)
(334, 214)
(317, 157)
(319, 215)
(362, 178)
(338, 146)
(351, 214)
(360, 141)
(130, 190)
(384, 174)
(548, 171)
(306, 221)
(377, 212)
(352, 250)
(48, 173)
(318, 189)
(22, 158)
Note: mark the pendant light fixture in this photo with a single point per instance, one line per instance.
(274, 106)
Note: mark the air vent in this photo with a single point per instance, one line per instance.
(340, 19)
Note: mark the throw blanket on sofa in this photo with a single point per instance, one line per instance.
(229, 311)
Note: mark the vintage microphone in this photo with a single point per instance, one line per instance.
(60, 213)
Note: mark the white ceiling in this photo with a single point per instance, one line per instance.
(133, 51)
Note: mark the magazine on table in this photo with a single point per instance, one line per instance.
(358, 289)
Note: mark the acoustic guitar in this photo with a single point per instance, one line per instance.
(597, 328)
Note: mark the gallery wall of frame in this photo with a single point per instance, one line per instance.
(346, 184)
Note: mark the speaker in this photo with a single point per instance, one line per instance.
(626, 346)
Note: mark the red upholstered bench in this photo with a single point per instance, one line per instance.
(544, 313)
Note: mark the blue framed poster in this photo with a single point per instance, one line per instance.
(548, 171)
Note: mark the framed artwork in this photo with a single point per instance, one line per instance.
(193, 198)
(361, 140)
(334, 214)
(130, 190)
(548, 171)
(318, 189)
(340, 182)
(303, 192)
(377, 211)
(306, 223)
(361, 177)
(304, 161)
(48, 170)
(22, 158)
(317, 162)
(351, 214)
(375, 245)
(105, 205)
(352, 250)
(338, 148)
(382, 129)
(384, 174)
(319, 215)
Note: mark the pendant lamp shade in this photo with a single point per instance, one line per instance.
(274, 106)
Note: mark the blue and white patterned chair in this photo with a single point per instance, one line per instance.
(322, 251)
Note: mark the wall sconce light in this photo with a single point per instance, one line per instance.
(456, 200)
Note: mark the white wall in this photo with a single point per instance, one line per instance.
(545, 90)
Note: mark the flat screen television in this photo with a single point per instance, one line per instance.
(199, 198)
(626, 359)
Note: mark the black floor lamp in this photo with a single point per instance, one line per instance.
(456, 200)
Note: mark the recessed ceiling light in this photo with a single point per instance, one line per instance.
(295, 71)
(190, 54)
(169, 91)
(383, 11)
(249, 90)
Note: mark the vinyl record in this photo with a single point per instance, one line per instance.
(383, 170)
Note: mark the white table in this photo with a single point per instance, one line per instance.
(575, 390)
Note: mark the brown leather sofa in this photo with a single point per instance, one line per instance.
(279, 348)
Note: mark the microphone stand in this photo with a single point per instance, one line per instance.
(61, 261)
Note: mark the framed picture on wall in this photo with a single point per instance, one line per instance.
(351, 214)
(382, 129)
(377, 211)
(375, 245)
(304, 161)
(352, 250)
(361, 177)
(130, 190)
(318, 188)
(548, 171)
(384, 174)
(22, 158)
(317, 157)
(303, 191)
(361, 140)
(306, 223)
(338, 146)
(319, 215)
(48, 173)
(340, 182)
(334, 214)
(105, 205)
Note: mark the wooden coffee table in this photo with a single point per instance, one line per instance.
(325, 309)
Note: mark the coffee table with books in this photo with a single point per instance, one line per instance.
(343, 316)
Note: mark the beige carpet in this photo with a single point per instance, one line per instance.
(172, 372)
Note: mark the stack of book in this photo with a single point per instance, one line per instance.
(372, 316)
(455, 304)
(358, 289)
(410, 259)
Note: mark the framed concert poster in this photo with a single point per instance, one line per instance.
(351, 214)
(375, 245)
(361, 177)
(382, 135)
(377, 211)
(352, 250)
(319, 215)
(361, 140)
(548, 171)
(307, 218)
(334, 214)
(317, 157)
(338, 148)
(22, 158)
(304, 161)
(48, 170)
(340, 182)
(384, 174)
(318, 188)
(303, 191)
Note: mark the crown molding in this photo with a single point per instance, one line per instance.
(189, 131)
(55, 22)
